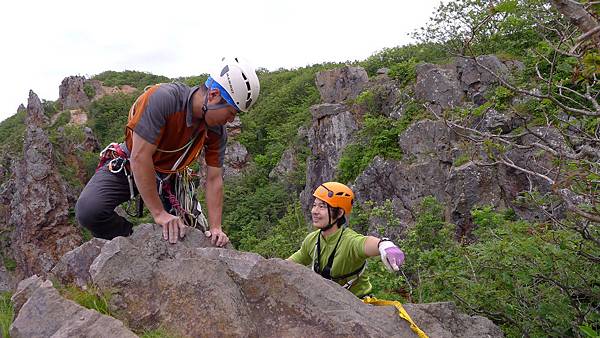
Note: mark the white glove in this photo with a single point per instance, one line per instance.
(391, 255)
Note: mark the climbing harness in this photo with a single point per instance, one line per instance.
(401, 312)
(326, 272)
(118, 161)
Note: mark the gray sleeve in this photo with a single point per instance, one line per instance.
(161, 104)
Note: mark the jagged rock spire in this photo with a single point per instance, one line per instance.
(39, 208)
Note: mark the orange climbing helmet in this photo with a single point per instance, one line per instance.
(336, 195)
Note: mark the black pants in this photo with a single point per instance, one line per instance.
(95, 208)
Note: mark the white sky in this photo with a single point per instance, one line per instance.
(46, 41)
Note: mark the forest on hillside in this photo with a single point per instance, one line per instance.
(533, 279)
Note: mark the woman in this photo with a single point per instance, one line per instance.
(337, 252)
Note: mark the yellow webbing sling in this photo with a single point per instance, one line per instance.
(401, 312)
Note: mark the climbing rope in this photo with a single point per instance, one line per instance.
(401, 312)
(184, 202)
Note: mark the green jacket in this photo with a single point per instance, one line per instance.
(350, 256)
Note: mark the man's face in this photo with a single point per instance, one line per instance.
(219, 117)
(319, 213)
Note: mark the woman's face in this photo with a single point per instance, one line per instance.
(320, 216)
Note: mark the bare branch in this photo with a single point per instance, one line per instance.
(509, 163)
(587, 35)
(588, 96)
(565, 195)
(532, 94)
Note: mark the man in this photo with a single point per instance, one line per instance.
(168, 127)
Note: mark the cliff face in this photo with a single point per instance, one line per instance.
(39, 209)
(436, 161)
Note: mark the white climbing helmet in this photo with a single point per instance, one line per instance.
(240, 81)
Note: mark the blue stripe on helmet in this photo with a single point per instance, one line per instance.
(211, 84)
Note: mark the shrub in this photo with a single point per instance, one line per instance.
(6, 313)
(89, 90)
(378, 137)
(132, 78)
(109, 116)
(516, 271)
(401, 59)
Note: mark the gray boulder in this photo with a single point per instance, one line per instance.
(444, 320)
(438, 84)
(474, 77)
(71, 94)
(469, 186)
(495, 121)
(338, 85)
(47, 314)
(74, 266)
(202, 291)
(24, 290)
(448, 86)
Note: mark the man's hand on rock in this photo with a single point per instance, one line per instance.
(218, 237)
(173, 227)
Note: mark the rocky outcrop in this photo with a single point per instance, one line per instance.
(438, 85)
(430, 150)
(24, 290)
(100, 90)
(475, 79)
(444, 320)
(384, 98)
(332, 129)
(447, 86)
(237, 294)
(192, 289)
(39, 210)
(338, 85)
(236, 159)
(90, 143)
(73, 268)
(234, 128)
(71, 94)
(287, 164)
(43, 312)
(290, 167)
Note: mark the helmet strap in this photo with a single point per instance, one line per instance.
(339, 222)
(206, 107)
